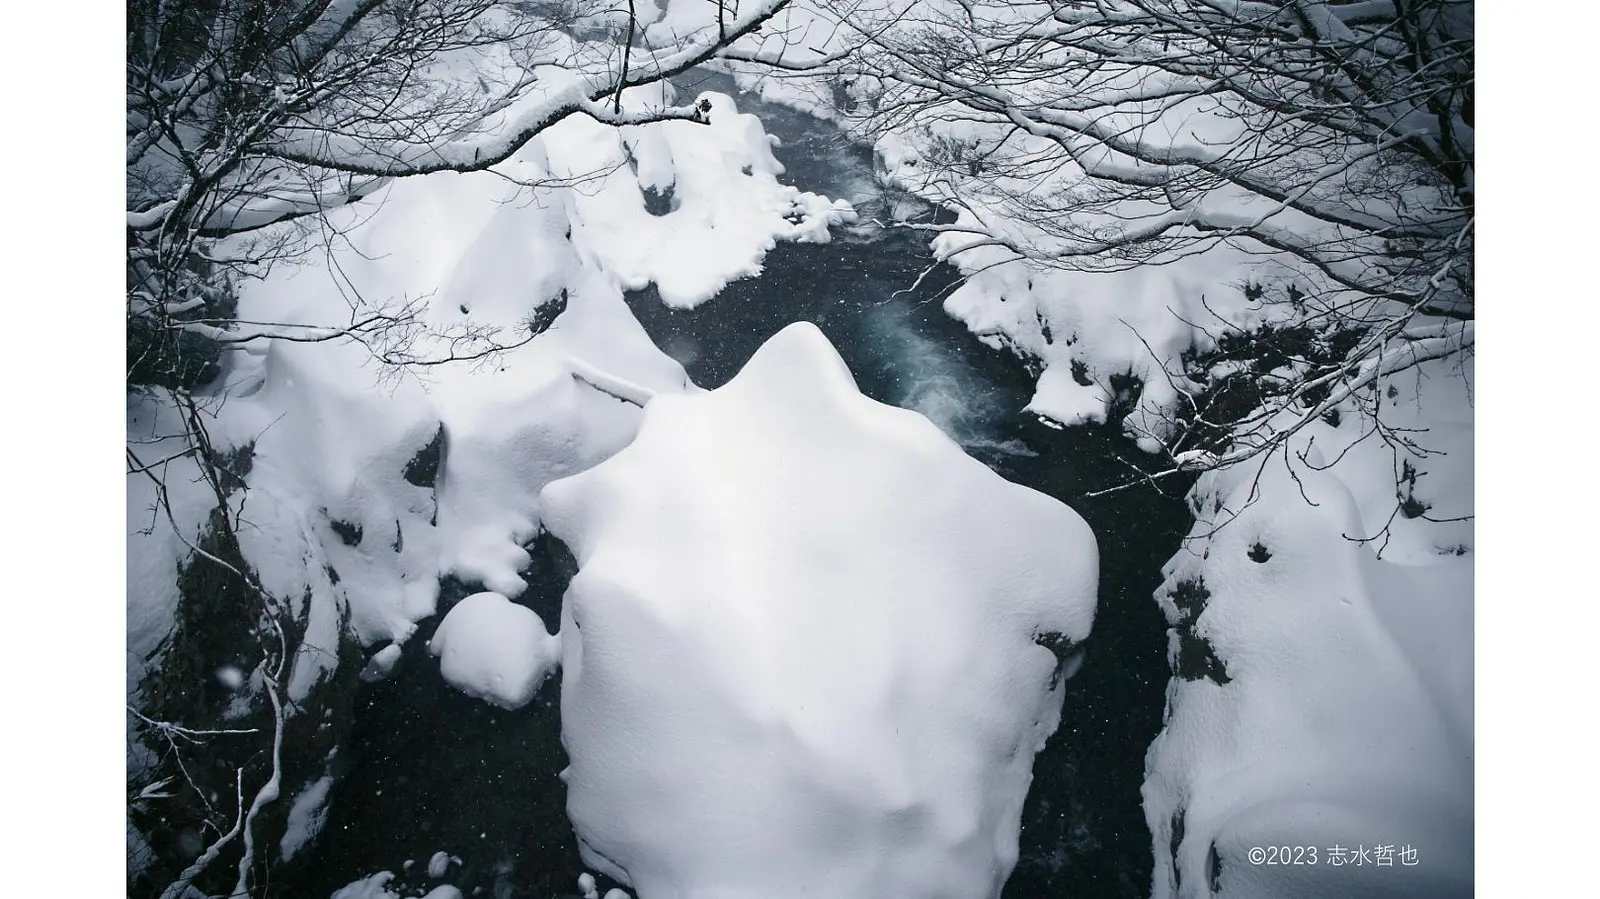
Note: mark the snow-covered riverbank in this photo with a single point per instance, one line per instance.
(361, 496)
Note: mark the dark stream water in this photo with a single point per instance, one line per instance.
(431, 769)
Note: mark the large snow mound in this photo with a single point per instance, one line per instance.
(495, 650)
(1322, 633)
(805, 650)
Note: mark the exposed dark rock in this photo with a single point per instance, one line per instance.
(1190, 597)
(1410, 505)
(1224, 400)
(233, 466)
(1058, 644)
(839, 94)
(1080, 373)
(348, 533)
(1125, 390)
(548, 575)
(423, 469)
(659, 202)
(453, 589)
(547, 313)
(1174, 844)
(160, 356)
(1196, 657)
(1069, 655)
(316, 736)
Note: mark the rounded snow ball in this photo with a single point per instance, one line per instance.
(805, 653)
(493, 649)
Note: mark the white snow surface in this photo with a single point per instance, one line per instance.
(1346, 716)
(729, 208)
(799, 654)
(495, 650)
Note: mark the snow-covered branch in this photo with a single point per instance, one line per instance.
(609, 384)
(1326, 146)
(1129, 129)
(180, 887)
(239, 121)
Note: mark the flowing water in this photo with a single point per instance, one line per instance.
(431, 769)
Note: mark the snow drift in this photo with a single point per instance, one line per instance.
(805, 652)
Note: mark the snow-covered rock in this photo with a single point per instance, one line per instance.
(377, 887)
(382, 663)
(727, 206)
(439, 864)
(491, 648)
(806, 649)
(306, 817)
(1322, 633)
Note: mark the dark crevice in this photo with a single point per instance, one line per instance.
(423, 469)
(431, 769)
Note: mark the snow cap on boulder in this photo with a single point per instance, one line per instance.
(805, 653)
